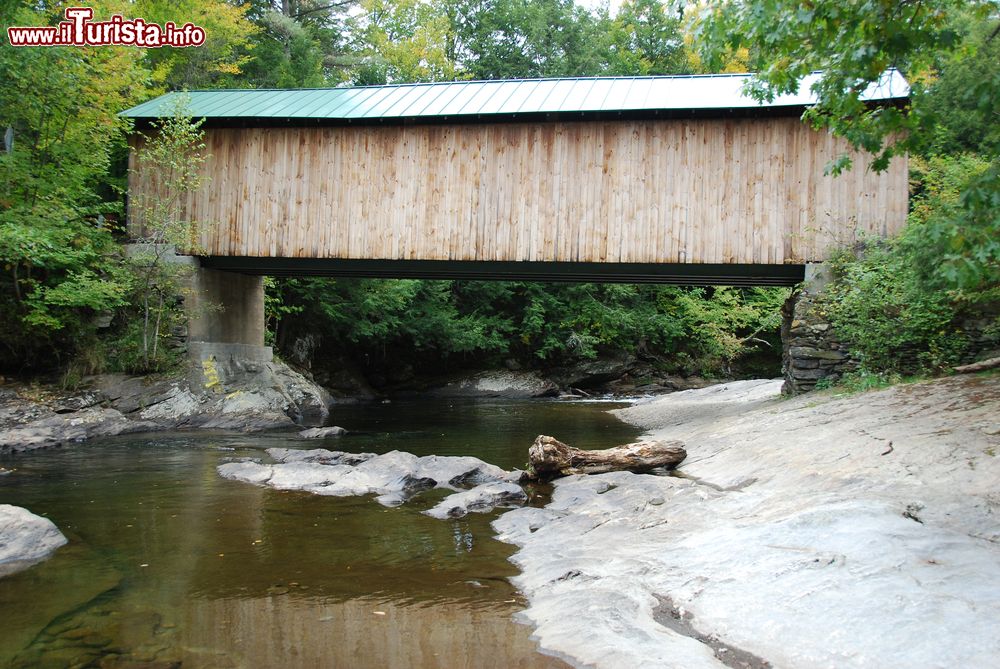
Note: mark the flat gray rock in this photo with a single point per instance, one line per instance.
(25, 539)
(318, 455)
(819, 531)
(481, 499)
(62, 429)
(393, 477)
(322, 432)
(498, 383)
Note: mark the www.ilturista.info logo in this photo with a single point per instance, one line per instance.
(79, 30)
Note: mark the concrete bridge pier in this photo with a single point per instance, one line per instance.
(225, 310)
(226, 317)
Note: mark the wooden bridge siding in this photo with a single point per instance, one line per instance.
(698, 191)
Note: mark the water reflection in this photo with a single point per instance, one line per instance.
(167, 562)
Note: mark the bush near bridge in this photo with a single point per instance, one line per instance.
(897, 303)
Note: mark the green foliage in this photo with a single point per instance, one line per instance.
(953, 245)
(218, 62)
(851, 44)
(888, 317)
(644, 38)
(900, 304)
(58, 206)
(457, 323)
(403, 41)
(298, 43)
(171, 157)
(502, 39)
(959, 106)
(287, 55)
(861, 381)
(126, 350)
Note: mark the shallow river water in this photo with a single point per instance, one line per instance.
(168, 563)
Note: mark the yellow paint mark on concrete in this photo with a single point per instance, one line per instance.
(212, 380)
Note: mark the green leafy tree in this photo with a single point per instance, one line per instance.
(299, 43)
(437, 325)
(171, 157)
(509, 39)
(59, 205)
(218, 62)
(403, 41)
(957, 119)
(645, 38)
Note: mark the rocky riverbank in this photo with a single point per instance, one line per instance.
(245, 395)
(820, 531)
(250, 396)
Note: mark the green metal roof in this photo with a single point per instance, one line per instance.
(500, 98)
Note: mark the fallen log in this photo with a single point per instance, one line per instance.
(981, 366)
(549, 458)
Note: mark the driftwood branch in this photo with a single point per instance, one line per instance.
(981, 366)
(549, 458)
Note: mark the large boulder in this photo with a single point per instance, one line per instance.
(25, 539)
(229, 393)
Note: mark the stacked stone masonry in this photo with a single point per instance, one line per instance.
(811, 350)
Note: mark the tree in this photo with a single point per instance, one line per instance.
(170, 157)
(59, 202)
(510, 39)
(644, 38)
(402, 41)
(219, 61)
(299, 43)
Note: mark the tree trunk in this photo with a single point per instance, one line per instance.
(549, 458)
(981, 366)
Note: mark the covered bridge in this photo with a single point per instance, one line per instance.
(668, 179)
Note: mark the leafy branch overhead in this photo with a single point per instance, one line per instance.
(851, 45)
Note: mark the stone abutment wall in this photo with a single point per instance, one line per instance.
(811, 350)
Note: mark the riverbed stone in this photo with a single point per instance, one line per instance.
(25, 539)
(250, 472)
(498, 383)
(393, 477)
(247, 396)
(322, 432)
(68, 428)
(318, 455)
(481, 499)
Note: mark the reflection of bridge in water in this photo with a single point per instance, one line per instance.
(653, 179)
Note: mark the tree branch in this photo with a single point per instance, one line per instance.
(342, 3)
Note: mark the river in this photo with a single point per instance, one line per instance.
(169, 563)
